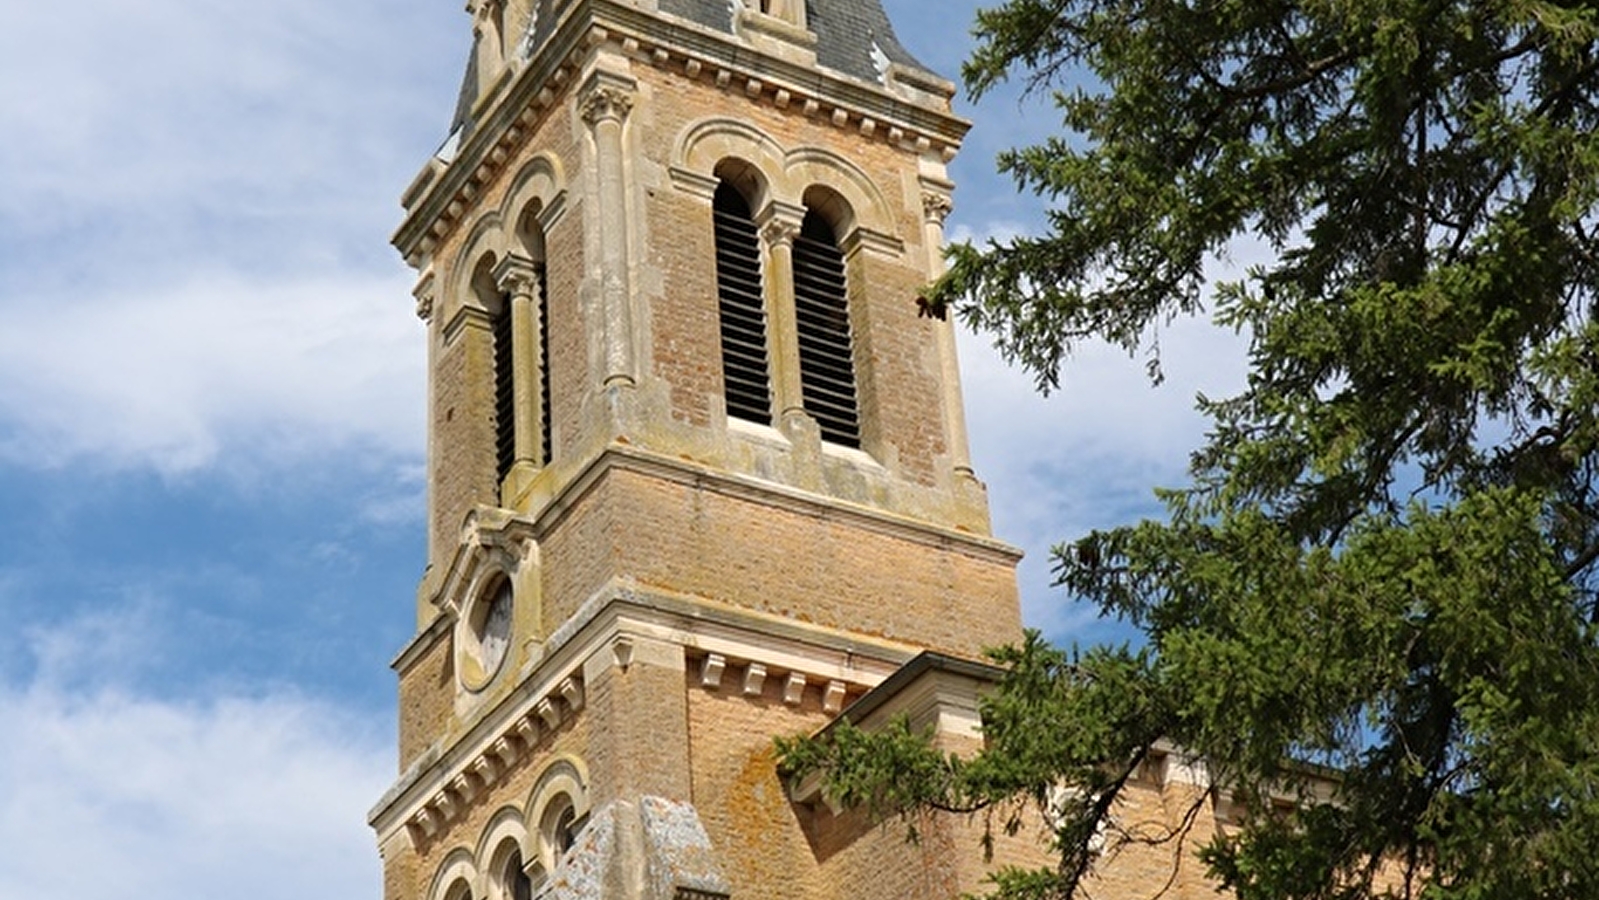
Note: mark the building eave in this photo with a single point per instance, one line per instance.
(442, 192)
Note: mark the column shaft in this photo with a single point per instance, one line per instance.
(936, 207)
(779, 227)
(605, 108)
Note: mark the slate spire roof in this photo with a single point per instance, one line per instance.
(846, 31)
(853, 37)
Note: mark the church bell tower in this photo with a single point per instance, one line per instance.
(697, 470)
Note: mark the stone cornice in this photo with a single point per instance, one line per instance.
(435, 790)
(625, 457)
(423, 641)
(437, 200)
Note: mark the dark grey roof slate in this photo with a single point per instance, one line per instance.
(468, 93)
(846, 31)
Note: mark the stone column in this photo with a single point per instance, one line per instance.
(518, 277)
(426, 294)
(605, 107)
(936, 207)
(780, 225)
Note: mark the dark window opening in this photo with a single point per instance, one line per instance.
(546, 445)
(520, 885)
(827, 367)
(742, 311)
(504, 391)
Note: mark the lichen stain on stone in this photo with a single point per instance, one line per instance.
(758, 809)
(681, 855)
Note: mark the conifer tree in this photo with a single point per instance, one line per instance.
(1383, 570)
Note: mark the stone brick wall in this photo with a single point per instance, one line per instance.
(649, 490)
(462, 467)
(427, 689)
(673, 279)
(408, 875)
(897, 370)
(796, 562)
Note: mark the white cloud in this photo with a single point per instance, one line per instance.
(113, 796)
(110, 794)
(223, 104)
(1091, 454)
(171, 378)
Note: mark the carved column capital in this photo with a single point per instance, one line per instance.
(606, 103)
(517, 276)
(780, 223)
(424, 294)
(780, 232)
(936, 207)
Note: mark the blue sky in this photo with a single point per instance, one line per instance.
(211, 428)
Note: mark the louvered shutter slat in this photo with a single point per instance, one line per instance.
(827, 369)
(742, 311)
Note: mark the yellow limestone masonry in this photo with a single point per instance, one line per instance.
(608, 638)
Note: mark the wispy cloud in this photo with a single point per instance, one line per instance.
(110, 793)
(169, 378)
(1090, 454)
(114, 796)
(177, 108)
(193, 260)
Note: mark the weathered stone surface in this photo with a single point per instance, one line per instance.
(686, 586)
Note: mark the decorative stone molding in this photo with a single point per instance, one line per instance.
(486, 768)
(563, 784)
(549, 713)
(691, 182)
(444, 806)
(1184, 768)
(571, 690)
(754, 679)
(835, 693)
(794, 688)
(507, 750)
(429, 798)
(779, 232)
(425, 293)
(833, 696)
(424, 823)
(606, 103)
(464, 787)
(516, 274)
(936, 207)
(475, 775)
(490, 537)
(496, 548)
(527, 731)
(711, 671)
(622, 652)
(924, 126)
(871, 241)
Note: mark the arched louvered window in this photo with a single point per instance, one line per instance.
(497, 305)
(546, 445)
(743, 314)
(827, 367)
(516, 885)
(504, 391)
